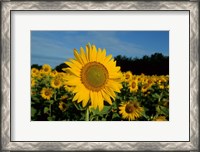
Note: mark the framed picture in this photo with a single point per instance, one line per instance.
(104, 75)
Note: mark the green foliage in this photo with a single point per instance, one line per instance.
(154, 100)
(157, 63)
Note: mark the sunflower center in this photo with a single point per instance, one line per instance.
(130, 107)
(94, 76)
(56, 82)
(46, 69)
(47, 93)
(127, 76)
(133, 85)
(145, 86)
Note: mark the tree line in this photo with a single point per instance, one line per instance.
(157, 64)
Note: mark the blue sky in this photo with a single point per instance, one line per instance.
(55, 47)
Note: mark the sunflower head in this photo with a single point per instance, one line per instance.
(128, 76)
(133, 86)
(160, 118)
(34, 72)
(33, 82)
(56, 83)
(53, 73)
(130, 110)
(145, 87)
(46, 93)
(46, 68)
(94, 76)
(63, 106)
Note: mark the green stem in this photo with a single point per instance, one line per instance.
(87, 114)
(50, 109)
(55, 97)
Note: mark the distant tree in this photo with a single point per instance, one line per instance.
(36, 66)
(155, 64)
(60, 67)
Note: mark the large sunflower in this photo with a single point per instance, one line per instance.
(95, 77)
(131, 110)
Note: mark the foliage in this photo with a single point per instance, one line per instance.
(51, 98)
(156, 63)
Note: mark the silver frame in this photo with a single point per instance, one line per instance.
(8, 6)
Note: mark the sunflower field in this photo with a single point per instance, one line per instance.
(93, 88)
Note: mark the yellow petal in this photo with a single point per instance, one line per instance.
(100, 101)
(86, 98)
(88, 48)
(76, 63)
(93, 53)
(93, 99)
(110, 92)
(72, 65)
(76, 97)
(78, 58)
(106, 97)
(114, 85)
(104, 53)
(108, 58)
(75, 71)
(115, 75)
(73, 81)
(79, 87)
(99, 55)
(83, 57)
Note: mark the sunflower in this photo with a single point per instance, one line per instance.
(128, 76)
(161, 86)
(32, 82)
(34, 72)
(56, 83)
(46, 93)
(46, 69)
(63, 106)
(64, 97)
(145, 87)
(95, 77)
(140, 79)
(130, 110)
(160, 118)
(53, 73)
(133, 86)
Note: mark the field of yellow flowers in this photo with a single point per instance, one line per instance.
(93, 88)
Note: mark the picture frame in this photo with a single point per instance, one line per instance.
(8, 7)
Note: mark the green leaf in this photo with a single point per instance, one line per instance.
(33, 111)
(105, 110)
(115, 115)
(164, 110)
(46, 109)
(51, 101)
(35, 99)
(145, 115)
(50, 118)
(158, 109)
(79, 107)
(103, 119)
(155, 95)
